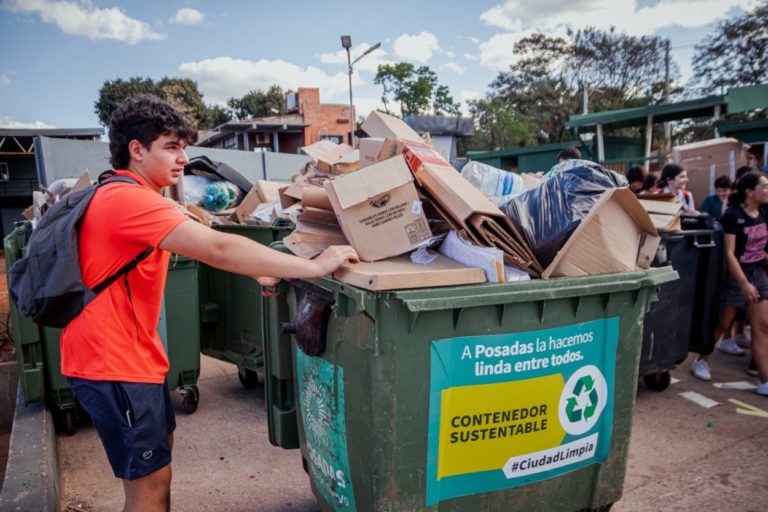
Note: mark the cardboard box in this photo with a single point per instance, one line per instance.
(706, 160)
(369, 150)
(616, 236)
(333, 158)
(307, 241)
(401, 273)
(665, 215)
(466, 208)
(378, 209)
(379, 124)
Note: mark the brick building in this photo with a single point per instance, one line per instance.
(304, 121)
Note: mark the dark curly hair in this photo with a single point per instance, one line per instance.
(145, 118)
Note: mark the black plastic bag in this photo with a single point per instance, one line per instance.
(548, 214)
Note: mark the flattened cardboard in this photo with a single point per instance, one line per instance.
(401, 273)
(706, 160)
(467, 207)
(308, 241)
(269, 191)
(664, 215)
(319, 216)
(333, 158)
(378, 209)
(616, 236)
(379, 124)
(369, 150)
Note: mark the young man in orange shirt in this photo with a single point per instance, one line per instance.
(112, 352)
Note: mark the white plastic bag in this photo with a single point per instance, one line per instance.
(495, 183)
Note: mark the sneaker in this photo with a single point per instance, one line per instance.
(742, 341)
(752, 369)
(700, 370)
(729, 346)
(762, 388)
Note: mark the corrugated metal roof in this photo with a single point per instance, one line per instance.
(51, 132)
(699, 107)
(442, 125)
(543, 148)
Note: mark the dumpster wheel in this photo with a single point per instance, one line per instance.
(248, 378)
(658, 381)
(65, 421)
(191, 398)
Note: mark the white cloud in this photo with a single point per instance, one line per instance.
(471, 57)
(224, 77)
(370, 62)
(472, 39)
(187, 16)
(496, 52)
(452, 66)
(450, 54)
(625, 15)
(364, 106)
(5, 79)
(8, 122)
(86, 20)
(419, 48)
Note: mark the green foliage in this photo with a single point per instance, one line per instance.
(735, 55)
(498, 127)
(415, 89)
(214, 116)
(181, 93)
(258, 103)
(113, 92)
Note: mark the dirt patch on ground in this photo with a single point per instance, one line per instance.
(7, 352)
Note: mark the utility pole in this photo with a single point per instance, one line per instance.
(667, 125)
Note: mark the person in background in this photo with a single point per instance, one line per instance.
(746, 238)
(674, 179)
(568, 154)
(650, 184)
(636, 177)
(714, 205)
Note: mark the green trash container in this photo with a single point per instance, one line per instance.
(514, 396)
(231, 308)
(37, 347)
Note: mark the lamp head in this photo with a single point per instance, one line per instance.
(346, 42)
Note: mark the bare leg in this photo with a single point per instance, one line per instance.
(151, 493)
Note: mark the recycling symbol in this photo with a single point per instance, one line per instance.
(584, 402)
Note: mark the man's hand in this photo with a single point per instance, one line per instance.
(333, 257)
(267, 281)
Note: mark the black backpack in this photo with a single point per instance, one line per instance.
(47, 284)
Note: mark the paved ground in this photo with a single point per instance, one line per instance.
(682, 457)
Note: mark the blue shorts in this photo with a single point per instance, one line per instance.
(133, 421)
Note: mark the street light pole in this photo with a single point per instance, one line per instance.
(346, 43)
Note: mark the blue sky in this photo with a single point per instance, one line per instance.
(57, 54)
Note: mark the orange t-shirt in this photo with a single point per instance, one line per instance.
(115, 337)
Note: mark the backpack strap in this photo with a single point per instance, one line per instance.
(135, 261)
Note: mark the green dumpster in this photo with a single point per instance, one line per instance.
(231, 308)
(37, 347)
(514, 396)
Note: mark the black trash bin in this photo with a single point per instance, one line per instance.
(685, 316)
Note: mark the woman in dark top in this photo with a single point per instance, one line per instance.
(746, 240)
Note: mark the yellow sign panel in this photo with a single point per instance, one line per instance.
(482, 426)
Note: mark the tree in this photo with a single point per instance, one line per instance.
(497, 127)
(545, 84)
(258, 103)
(182, 93)
(214, 116)
(113, 92)
(415, 89)
(735, 55)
